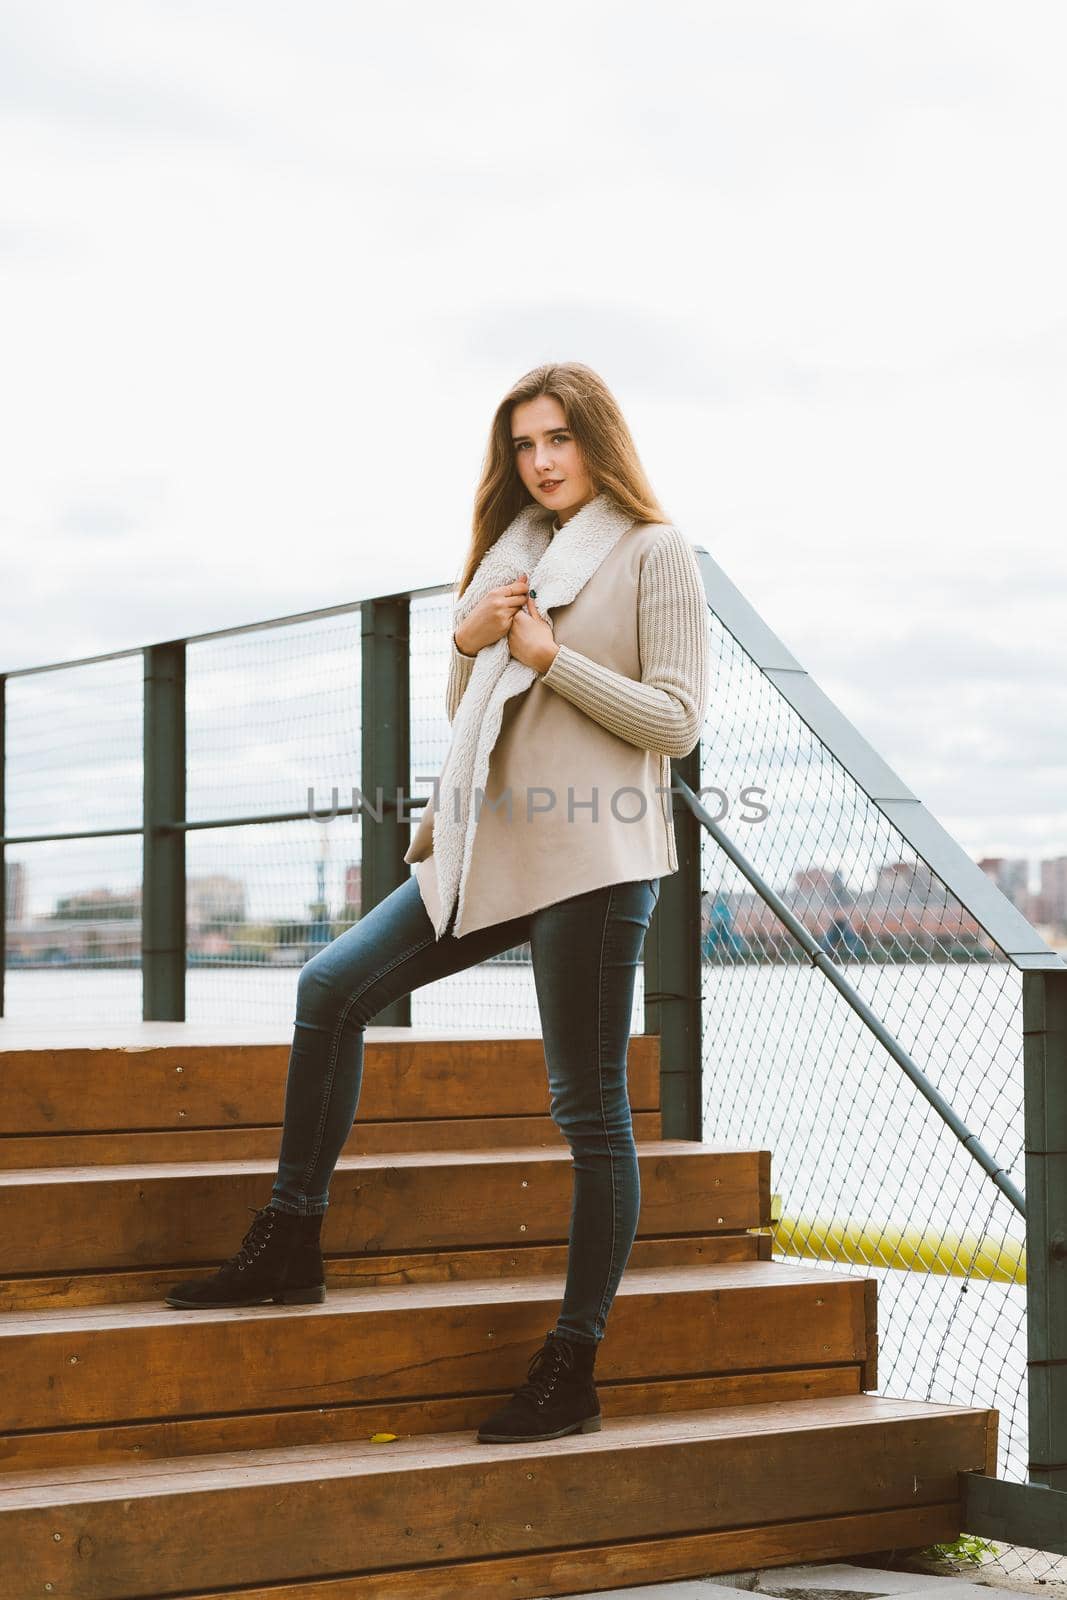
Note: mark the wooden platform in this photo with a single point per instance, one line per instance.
(146, 1450)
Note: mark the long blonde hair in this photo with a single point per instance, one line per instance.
(601, 433)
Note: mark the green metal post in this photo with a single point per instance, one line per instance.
(163, 892)
(1034, 1514)
(386, 765)
(672, 972)
(1045, 1090)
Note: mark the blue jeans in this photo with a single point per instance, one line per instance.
(585, 953)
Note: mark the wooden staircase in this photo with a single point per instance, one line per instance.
(150, 1451)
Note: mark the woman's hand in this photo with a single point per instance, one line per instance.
(530, 639)
(491, 618)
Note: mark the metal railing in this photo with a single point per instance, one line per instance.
(847, 989)
(887, 1023)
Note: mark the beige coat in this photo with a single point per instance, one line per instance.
(546, 742)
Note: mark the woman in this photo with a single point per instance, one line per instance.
(552, 823)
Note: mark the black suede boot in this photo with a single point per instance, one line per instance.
(279, 1260)
(558, 1397)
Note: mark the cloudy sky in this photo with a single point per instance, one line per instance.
(267, 269)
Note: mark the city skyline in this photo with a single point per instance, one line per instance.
(217, 902)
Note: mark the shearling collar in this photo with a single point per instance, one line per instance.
(558, 565)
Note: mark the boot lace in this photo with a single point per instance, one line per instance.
(256, 1237)
(543, 1372)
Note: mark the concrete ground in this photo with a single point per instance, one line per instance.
(914, 1577)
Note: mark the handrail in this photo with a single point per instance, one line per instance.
(342, 609)
(820, 958)
(185, 825)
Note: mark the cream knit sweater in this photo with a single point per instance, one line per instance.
(663, 710)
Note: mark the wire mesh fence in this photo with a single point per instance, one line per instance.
(272, 727)
(867, 1177)
(272, 717)
(272, 724)
(73, 748)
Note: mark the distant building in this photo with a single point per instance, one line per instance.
(215, 900)
(52, 939)
(1011, 876)
(1052, 895)
(97, 905)
(15, 891)
(353, 905)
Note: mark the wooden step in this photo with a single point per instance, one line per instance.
(176, 1076)
(378, 1269)
(251, 1144)
(172, 1437)
(440, 1506)
(604, 1568)
(65, 1369)
(68, 1219)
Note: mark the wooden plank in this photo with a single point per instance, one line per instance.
(68, 1218)
(376, 1270)
(407, 1076)
(109, 1363)
(134, 1443)
(58, 1033)
(27, 1151)
(224, 1471)
(992, 1429)
(609, 1567)
(870, 1366)
(209, 1522)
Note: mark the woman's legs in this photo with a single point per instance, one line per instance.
(386, 954)
(586, 952)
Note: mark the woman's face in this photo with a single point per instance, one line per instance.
(547, 456)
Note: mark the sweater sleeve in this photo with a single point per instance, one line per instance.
(664, 711)
(459, 671)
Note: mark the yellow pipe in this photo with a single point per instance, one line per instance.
(873, 1244)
